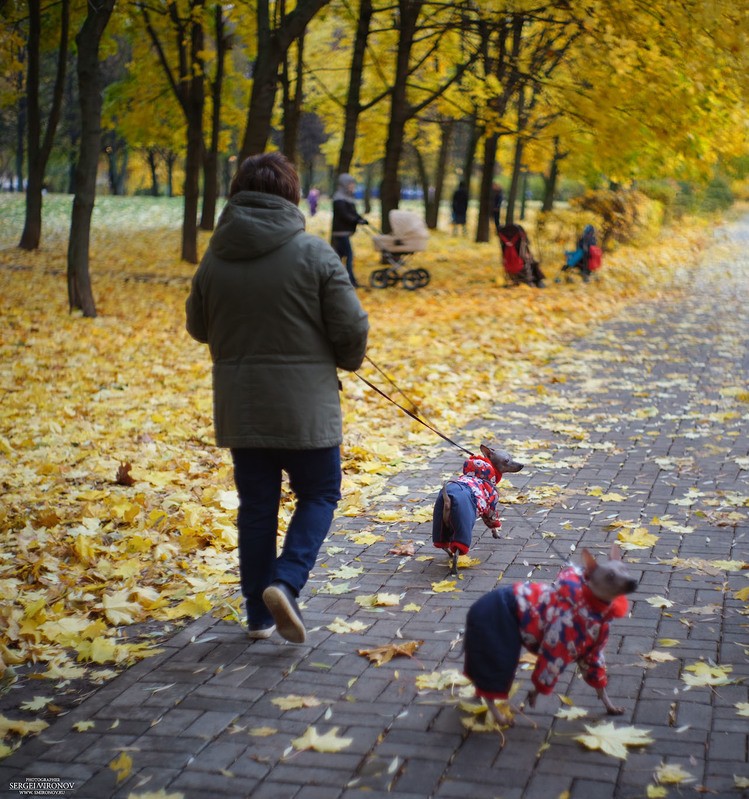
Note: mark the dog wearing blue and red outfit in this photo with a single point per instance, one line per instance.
(470, 496)
(560, 622)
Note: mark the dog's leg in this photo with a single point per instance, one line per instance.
(502, 719)
(447, 523)
(447, 504)
(611, 708)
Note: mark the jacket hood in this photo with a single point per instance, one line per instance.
(254, 224)
(344, 187)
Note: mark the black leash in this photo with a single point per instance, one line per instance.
(412, 414)
(415, 416)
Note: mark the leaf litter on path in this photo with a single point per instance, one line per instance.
(117, 524)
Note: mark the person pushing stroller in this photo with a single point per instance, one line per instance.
(345, 221)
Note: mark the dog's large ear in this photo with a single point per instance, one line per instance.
(616, 552)
(589, 562)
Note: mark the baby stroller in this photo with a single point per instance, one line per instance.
(517, 259)
(409, 235)
(587, 256)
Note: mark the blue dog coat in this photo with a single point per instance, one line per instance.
(473, 494)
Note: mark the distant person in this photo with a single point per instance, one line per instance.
(585, 242)
(279, 316)
(520, 265)
(460, 208)
(313, 196)
(497, 199)
(345, 220)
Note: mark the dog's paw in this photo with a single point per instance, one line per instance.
(502, 714)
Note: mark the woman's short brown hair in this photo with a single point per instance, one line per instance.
(270, 173)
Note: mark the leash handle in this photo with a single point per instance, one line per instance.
(412, 414)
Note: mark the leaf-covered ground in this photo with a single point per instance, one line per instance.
(117, 517)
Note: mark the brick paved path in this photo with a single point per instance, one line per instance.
(646, 422)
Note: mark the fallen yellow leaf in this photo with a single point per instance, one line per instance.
(329, 742)
(614, 740)
(122, 765)
(294, 702)
(444, 586)
(384, 654)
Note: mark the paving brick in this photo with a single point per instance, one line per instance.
(305, 775)
(102, 783)
(210, 724)
(101, 751)
(203, 784)
(317, 792)
(590, 789)
(543, 786)
(151, 779)
(460, 789)
(419, 776)
(729, 746)
(219, 756)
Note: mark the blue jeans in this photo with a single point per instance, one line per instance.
(315, 479)
(342, 246)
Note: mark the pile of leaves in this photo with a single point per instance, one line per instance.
(117, 521)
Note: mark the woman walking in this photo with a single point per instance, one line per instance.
(279, 315)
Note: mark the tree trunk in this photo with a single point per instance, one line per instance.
(353, 99)
(517, 169)
(71, 123)
(117, 156)
(423, 178)
(89, 90)
(271, 46)
(191, 190)
(188, 85)
(170, 160)
(400, 111)
(474, 134)
(550, 180)
(21, 127)
(433, 206)
(38, 150)
(210, 167)
(32, 228)
(485, 194)
(368, 186)
(262, 99)
(518, 160)
(292, 102)
(390, 188)
(151, 155)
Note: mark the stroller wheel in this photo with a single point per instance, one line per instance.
(382, 278)
(415, 279)
(424, 276)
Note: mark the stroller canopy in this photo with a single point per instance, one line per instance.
(407, 225)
